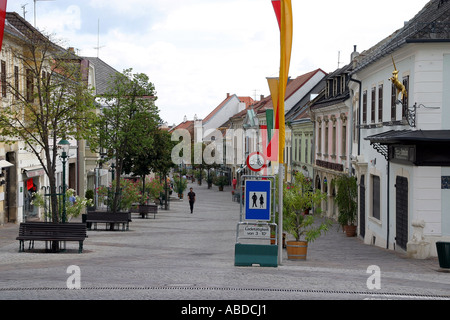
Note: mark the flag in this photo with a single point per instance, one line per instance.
(283, 12)
(2, 20)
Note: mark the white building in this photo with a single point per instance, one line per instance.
(403, 159)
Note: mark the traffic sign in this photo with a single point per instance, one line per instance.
(257, 200)
(256, 161)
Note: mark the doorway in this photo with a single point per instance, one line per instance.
(401, 212)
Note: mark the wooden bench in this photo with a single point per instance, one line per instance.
(46, 231)
(111, 219)
(144, 210)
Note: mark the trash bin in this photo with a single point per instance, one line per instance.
(443, 251)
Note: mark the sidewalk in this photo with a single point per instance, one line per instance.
(180, 255)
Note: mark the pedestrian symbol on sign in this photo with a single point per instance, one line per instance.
(259, 200)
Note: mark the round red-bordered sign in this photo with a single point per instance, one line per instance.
(256, 161)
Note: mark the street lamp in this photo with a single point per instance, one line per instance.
(65, 146)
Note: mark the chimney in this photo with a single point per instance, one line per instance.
(71, 49)
(228, 95)
(262, 97)
(354, 56)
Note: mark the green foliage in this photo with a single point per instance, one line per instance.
(298, 198)
(89, 194)
(153, 188)
(220, 181)
(129, 193)
(347, 199)
(74, 204)
(59, 105)
(129, 122)
(179, 184)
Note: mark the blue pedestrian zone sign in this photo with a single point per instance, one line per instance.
(257, 200)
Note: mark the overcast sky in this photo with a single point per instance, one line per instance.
(197, 51)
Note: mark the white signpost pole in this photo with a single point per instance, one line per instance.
(280, 213)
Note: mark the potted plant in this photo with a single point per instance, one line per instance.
(297, 199)
(180, 185)
(199, 176)
(89, 195)
(220, 181)
(346, 199)
(210, 179)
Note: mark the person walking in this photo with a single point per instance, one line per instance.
(191, 196)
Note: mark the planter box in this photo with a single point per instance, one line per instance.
(247, 255)
(297, 250)
(443, 251)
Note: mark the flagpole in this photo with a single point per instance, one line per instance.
(280, 212)
(283, 12)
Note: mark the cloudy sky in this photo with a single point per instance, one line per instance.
(197, 51)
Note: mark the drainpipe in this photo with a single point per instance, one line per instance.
(359, 113)
(388, 200)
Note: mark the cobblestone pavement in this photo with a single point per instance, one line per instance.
(184, 256)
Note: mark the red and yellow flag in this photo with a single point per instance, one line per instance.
(2, 20)
(283, 12)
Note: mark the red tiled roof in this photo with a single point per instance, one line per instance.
(188, 125)
(300, 81)
(292, 87)
(247, 100)
(303, 115)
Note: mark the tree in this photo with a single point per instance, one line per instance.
(55, 103)
(347, 199)
(298, 198)
(128, 121)
(155, 157)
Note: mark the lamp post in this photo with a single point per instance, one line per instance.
(65, 146)
(113, 169)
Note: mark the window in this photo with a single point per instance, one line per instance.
(300, 149)
(364, 107)
(333, 151)
(405, 99)
(393, 102)
(30, 86)
(16, 82)
(319, 140)
(326, 140)
(3, 79)
(376, 199)
(373, 104)
(306, 150)
(380, 103)
(330, 88)
(344, 141)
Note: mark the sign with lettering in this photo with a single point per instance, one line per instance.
(257, 231)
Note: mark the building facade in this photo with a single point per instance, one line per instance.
(403, 162)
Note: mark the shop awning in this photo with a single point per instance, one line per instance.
(421, 147)
(410, 136)
(5, 164)
(33, 171)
